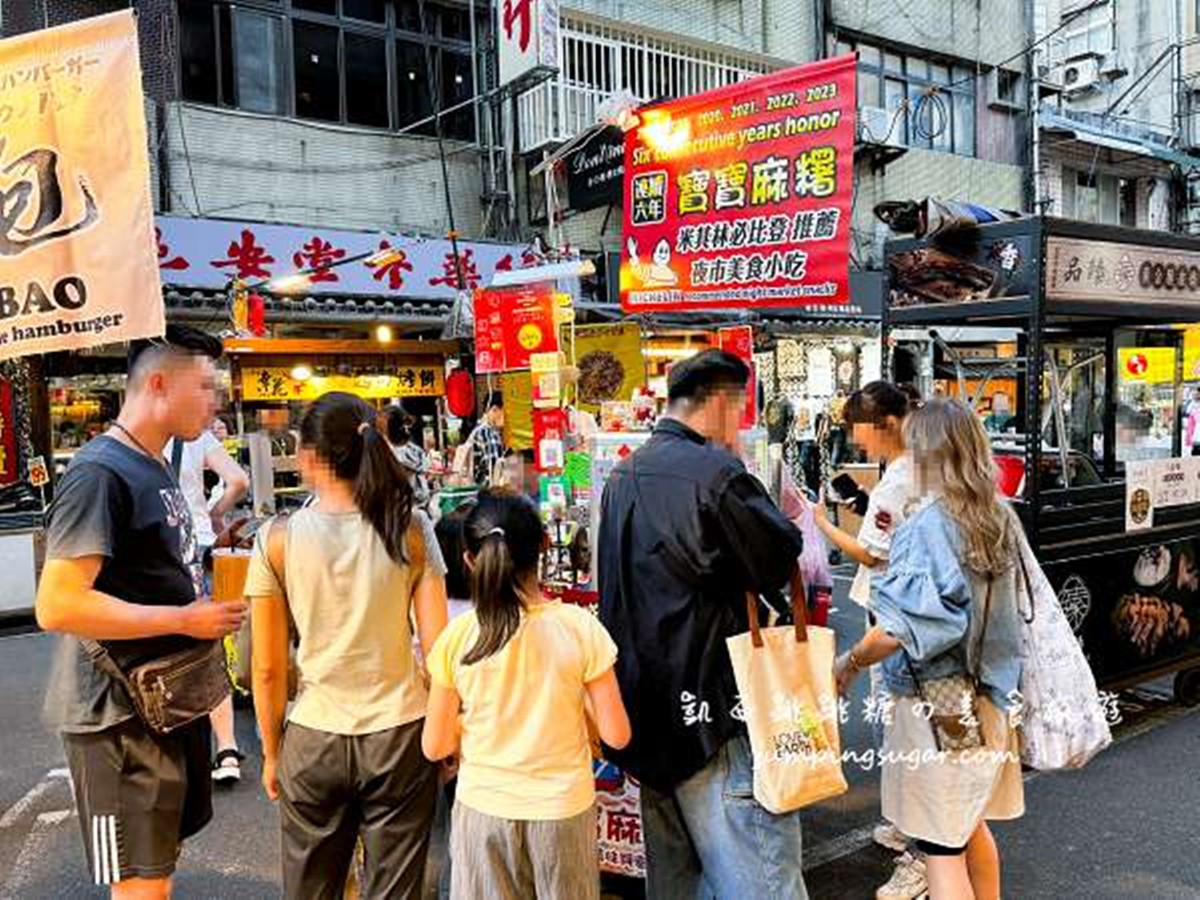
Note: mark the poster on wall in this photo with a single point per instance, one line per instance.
(610, 363)
(77, 252)
(511, 325)
(740, 197)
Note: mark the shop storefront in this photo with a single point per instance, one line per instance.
(1097, 453)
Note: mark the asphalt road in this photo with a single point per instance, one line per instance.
(1124, 828)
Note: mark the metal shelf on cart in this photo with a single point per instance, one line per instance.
(975, 312)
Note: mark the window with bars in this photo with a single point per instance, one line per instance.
(931, 103)
(606, 60)
(1088, 31)
(357, 62)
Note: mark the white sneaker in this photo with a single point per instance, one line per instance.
(227, 767)
(889, 837)
(907, 882)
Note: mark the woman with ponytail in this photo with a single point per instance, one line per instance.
(350, 572)
(514, 682)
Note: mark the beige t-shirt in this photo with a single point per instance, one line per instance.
(351, 604)
(525, 749)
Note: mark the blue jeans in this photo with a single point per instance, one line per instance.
(709, 837)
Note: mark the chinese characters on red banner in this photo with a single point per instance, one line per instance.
(741, 197)
(511, 324)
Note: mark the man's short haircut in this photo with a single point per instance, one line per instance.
(179, 340)
(698, 377)
(495, 400)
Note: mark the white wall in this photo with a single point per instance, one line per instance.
(954, 27)
(282, 170)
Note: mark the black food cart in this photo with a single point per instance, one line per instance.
(1097, 456)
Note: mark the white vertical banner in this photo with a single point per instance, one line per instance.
(78, 263)
(528, 37)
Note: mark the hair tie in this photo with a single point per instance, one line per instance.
(495, 532)
(364, 427)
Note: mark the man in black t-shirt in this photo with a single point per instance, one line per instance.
(122, 569)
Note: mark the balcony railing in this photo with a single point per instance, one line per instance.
(554, 112)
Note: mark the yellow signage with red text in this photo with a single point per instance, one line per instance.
(1146, 365)
(408, 381)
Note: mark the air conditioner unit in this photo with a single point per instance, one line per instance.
(1080, 75)
(877, 125)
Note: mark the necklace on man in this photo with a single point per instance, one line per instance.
(129, 434)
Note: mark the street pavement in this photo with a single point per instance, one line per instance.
(1126, 827)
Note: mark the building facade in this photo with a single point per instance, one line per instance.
(1113, 117)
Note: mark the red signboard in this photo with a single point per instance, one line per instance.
(740, 197)
(8, 435)
(511, 324)
(740, 342)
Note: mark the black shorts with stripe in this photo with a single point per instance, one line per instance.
(140, 796)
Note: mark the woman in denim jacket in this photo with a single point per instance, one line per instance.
(952, 560)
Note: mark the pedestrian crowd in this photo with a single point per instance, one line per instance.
(397, 664)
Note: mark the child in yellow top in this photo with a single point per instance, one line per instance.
(522, 671)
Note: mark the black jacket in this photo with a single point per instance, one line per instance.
(685, 531)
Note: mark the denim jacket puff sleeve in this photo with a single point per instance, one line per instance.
(924, 601)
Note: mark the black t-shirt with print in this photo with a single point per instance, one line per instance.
(118, 503)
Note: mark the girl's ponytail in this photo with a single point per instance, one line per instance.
(503, 536)
(382, 491)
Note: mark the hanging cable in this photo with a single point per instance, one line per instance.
(435, 104)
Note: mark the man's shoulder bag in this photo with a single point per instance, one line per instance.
(173, 691)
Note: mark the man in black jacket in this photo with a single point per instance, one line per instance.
(685, 532)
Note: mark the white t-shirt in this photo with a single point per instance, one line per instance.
(893, 495)
(191, 480)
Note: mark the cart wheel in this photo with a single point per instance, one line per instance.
(1187, 687)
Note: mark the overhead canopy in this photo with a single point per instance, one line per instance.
(1074, 130)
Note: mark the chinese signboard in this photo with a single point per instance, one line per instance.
(208, 253)
(528, 38)
(1146, 365)
(512, 324)
(77, 261)
(1097, 270)
(416, 380)
(740, 197)
(595, 169)
(8, 435)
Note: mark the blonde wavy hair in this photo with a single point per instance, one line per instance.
(954, 462)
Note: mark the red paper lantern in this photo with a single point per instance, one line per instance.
(460, 393)
(256, 316)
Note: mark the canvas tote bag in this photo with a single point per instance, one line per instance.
(785, 677)
(1064, 723)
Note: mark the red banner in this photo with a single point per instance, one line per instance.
(740, 197)
(511, 324)
(8, 435)
(739, 341)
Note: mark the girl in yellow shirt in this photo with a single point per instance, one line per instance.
(512, 683)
